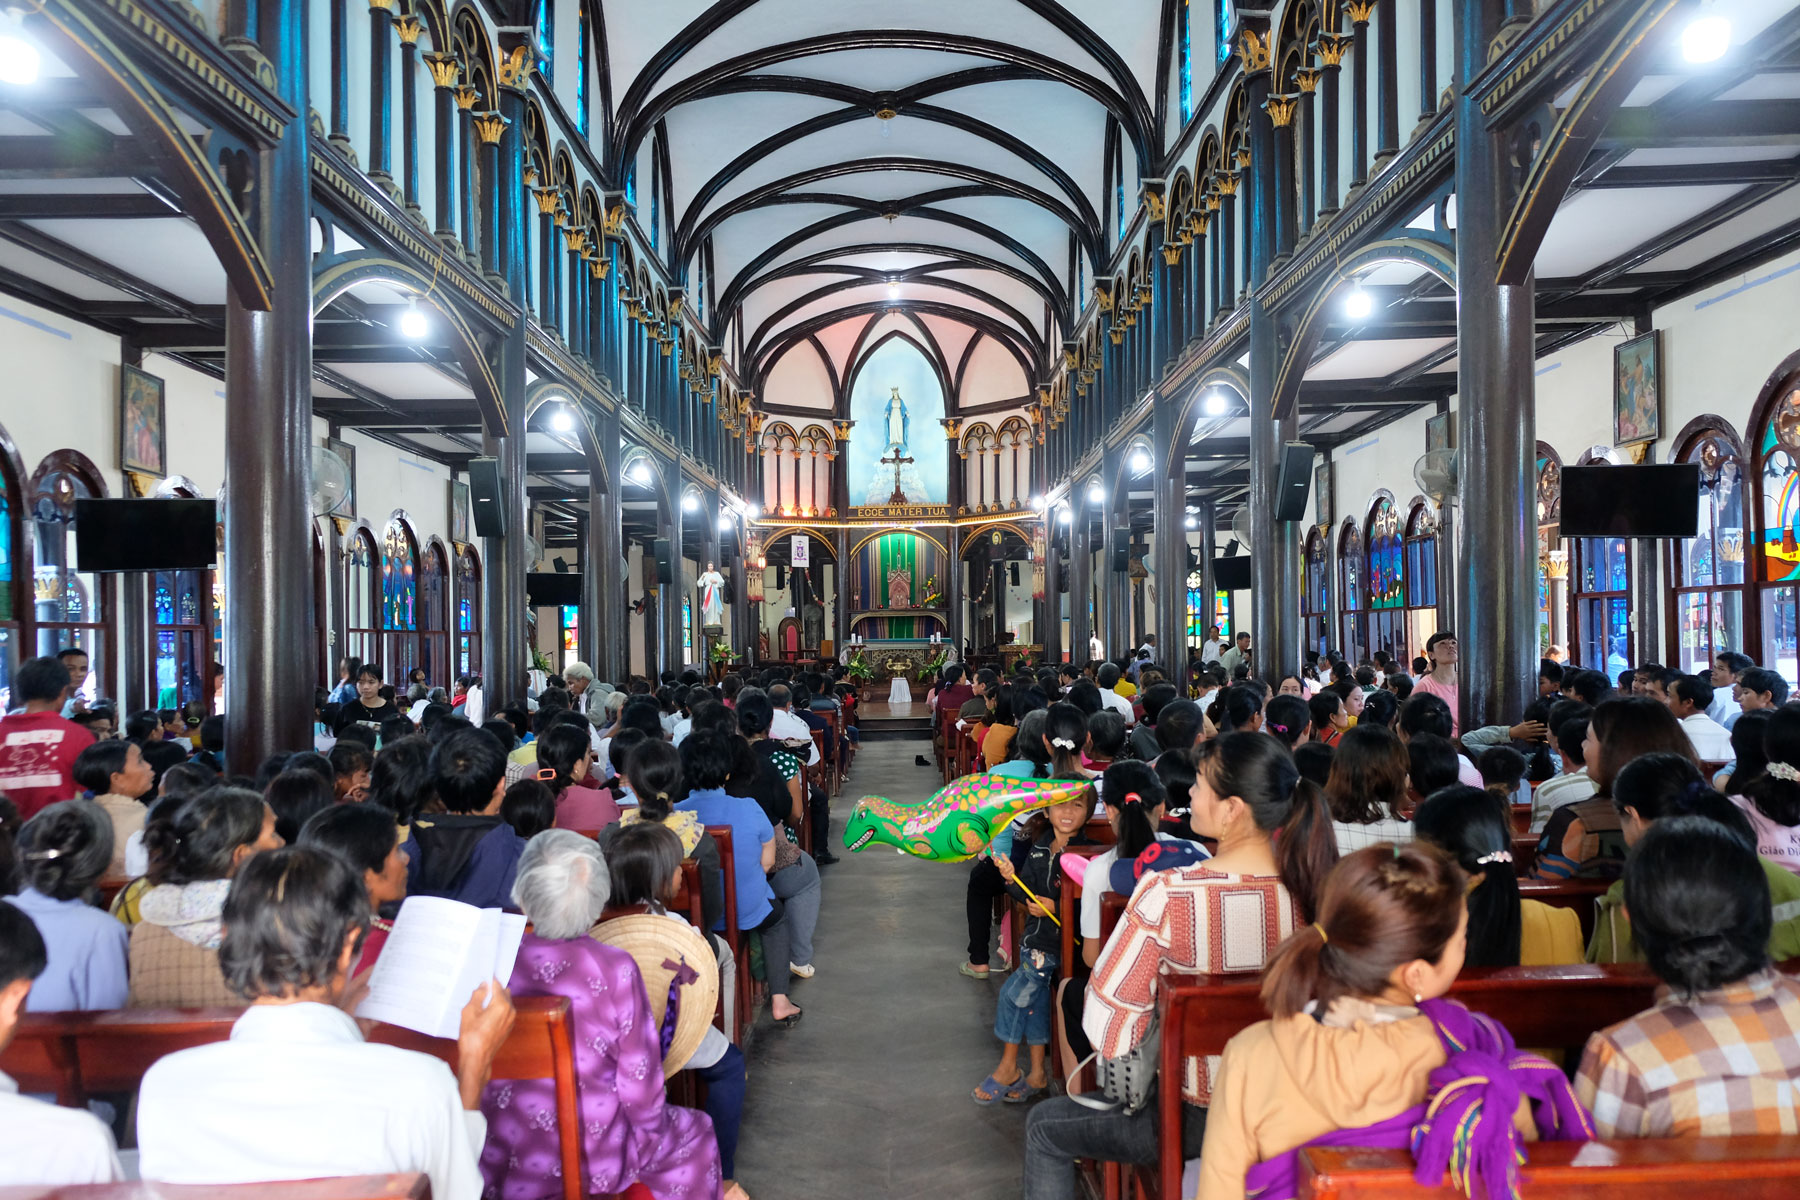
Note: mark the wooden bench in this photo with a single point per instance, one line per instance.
(1550, 1007)
(1761, 1167)
(346, 1187)
(78, 1055)
(721, 836)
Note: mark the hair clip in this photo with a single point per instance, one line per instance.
(1065, 743)
(546, 774)
(43, 855)
(1498, 856)
(1781, 770)
(1132, 798)
(662, 796)
(1323, 940)
(1277, 728)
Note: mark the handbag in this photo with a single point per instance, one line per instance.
(786, 852)
(1127, 1082)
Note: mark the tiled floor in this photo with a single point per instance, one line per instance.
(868, 1096)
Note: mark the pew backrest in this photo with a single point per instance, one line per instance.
(348, 1187)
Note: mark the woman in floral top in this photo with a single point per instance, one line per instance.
(629, 1132)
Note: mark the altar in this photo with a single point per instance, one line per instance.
(898, 661)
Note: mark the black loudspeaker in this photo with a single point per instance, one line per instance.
(1121, 550)
(1295, 481)
(484, 497)
(730, 593)
(665, 561)
(1013, 569)
(561, 564)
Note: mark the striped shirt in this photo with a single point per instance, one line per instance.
(1189, 919)
(1726, 1062)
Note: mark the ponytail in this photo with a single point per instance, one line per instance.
(1258, 770)
(1475, 830)
(1065, 727)
(558, 751)
(1383, 907)
(1306, 847)
(1133, 791)
(654, 770)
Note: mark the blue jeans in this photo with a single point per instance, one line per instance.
(1059, 1131)
(798, 888)
(724, 1082)
(1022, 1013)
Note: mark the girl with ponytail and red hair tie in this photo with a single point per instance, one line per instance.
(1359, 1040)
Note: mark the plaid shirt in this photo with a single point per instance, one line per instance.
(1726, 1062)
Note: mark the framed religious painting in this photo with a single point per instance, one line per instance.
(1440, 432)
(1637, 390)
(1322, 493)
(143, 426)
(459, 512)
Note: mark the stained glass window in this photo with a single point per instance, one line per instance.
(1708, 568)
(1351, 566)
(1779, 536)
(468, 613)
(6, 560)
(543, 29)
(1227, 18)
(571, 634)
(399, 581)
(1187, 60)
(1316, 600)
(360, 611)
(1603, 603)
(581, 68)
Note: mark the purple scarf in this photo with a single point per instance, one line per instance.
(1465, 1126)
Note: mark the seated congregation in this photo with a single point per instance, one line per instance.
(1399, 893)
(187, 944)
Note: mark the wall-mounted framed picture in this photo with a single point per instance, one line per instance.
(344, 450)
(143, 423)
(1637, 390)
(1322, 493)
(459, 512)
(1440, 432)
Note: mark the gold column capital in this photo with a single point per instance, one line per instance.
(1307, 79)
(515, 68)
(1360, 10)
(1253, 49)
(548, 199)
(409, 28)
(1228, 183)
(466, 96)
(444, 69)
(490, 127)
(1171, 252)
(1331, 48)
(1280, 108)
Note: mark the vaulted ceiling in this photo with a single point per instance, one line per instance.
(809, 168)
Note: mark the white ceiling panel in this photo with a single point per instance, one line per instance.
(54, 275)
(171, 253)
(896, 68)
(1741, 230)
(1595, 227)
(1685, 156)
(1374, 359)
(405, 381)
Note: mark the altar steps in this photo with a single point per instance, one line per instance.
(880, 721)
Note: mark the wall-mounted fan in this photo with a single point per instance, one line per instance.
(330, 481)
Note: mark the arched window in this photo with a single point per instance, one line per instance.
(1421, 578)
(434, 617)
(1386, 582)
(399, 602)
(362, 603)
(468, 613)
(71, 608)
(1707, 570)
(1553, 557)
(1778, 529)
(1602, 599)
(1316, 601)
(1352, 638)
(187, 611)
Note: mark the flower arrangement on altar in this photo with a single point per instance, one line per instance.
(933, 597)
(858, 668)
(929, 668)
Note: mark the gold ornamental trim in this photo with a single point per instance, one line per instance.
(444, 68)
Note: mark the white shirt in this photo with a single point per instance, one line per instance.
(786, 727)
(1351, 838)
(297, 1094)
(683, 727)
(1723, 708)
(1096, 883)
(473, 706)
(44, 1144)
(1118, 704)
(1096, 648)
(1210, 650)
(1712, 741)
(1552, 794)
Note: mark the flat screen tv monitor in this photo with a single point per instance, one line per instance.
(146, 535)
(1654, 501)
(1232, 574)
(553, 589)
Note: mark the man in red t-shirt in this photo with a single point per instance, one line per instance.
(38, 747)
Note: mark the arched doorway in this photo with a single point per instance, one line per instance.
(400, 600)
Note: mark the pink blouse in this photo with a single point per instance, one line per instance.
(585, 808)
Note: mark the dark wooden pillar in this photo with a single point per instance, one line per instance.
(444, 69)
(1496, 544)
(1387, 109)
(1046, 614)
(1275, 584)
(269, 670)
(467, 176)
(409, 29)
(1228, 187)
(1307, 117)
(1168, 536)
(1281, 116)
(1331, 53)
(340, 70)
(669, 595)
(610, 553)
(505, 654)
(1428, 86)
(381, 90)
(1081, 572)
(954, 571)
(1360, 11)
(547, 199)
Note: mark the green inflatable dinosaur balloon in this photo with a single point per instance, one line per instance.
(959, 820)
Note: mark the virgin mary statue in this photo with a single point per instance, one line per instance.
(897, 438)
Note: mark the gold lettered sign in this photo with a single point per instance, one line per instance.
(901, 512)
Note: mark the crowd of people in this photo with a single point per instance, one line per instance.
(1341, 832)
(274, 887)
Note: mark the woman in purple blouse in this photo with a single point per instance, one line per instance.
(631, 1133)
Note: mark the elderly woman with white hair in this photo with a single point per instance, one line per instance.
(630, 1133)
(587, 696)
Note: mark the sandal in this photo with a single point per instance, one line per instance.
(968, 969)
(791, 1020)
(1021, 1090)
(990, 1090)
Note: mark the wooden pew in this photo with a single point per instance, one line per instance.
(1761, 1167)
(77, 1055)
(1577, 894)
(346, 1187)
(1552, 1007)
(721, 836)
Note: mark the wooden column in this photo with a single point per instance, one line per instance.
(1281, 116)
(409, 29)
(1307, 116)
(1387, 109)
(1331, 53)
(1496, 543)
(1081, 573)
(269, 670)
(381, 90)
(444, 69)
(1360, 11)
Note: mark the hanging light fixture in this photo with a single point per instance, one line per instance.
(19, 59)
(562, 420)
(1358, 304)
(1707, 37)
(413, 323)
(1215, 403)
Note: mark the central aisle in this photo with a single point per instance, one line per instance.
(868, 1096)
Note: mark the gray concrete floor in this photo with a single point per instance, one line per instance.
(868, 1096)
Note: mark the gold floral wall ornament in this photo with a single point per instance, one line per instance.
(409, 28)
(1331, 48)
(841, 430)
(515, 67)
(1253, 49)
(1307, 79)
(1360, 10)
(1153, 199)
(1071, 359)
(466, 96)
(615, 221)
(490, 127)
(1103, 297)
(674, 308)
